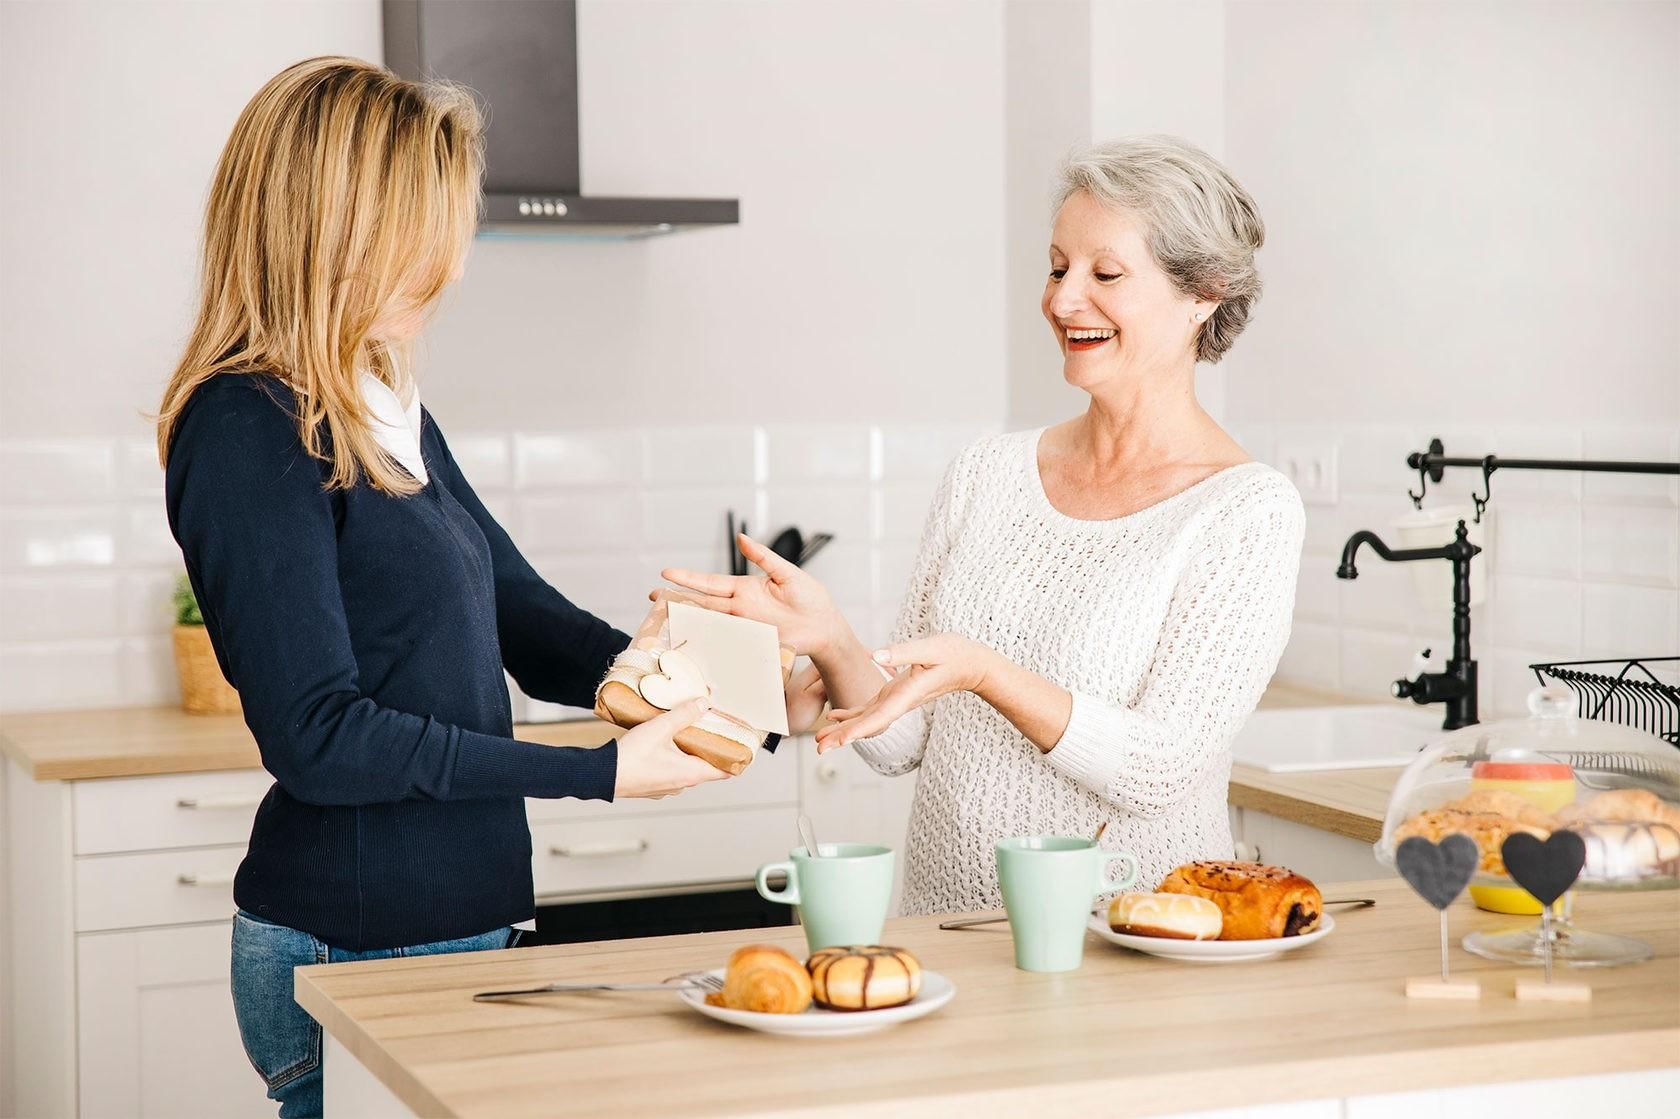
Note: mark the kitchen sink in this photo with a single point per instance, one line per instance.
(1364, 736)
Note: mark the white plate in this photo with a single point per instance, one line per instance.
(936, 992)
(1213, 951)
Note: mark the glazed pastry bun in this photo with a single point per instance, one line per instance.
(1176, 916)
(864, 977)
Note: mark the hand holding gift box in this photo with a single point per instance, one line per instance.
(681, 651)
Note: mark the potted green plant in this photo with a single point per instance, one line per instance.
(204, 690)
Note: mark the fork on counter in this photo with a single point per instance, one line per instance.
(698, 980)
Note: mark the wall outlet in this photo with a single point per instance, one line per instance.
(1311, 465)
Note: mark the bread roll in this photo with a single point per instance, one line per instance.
(764, 979)
(1258, 902)
(1488, 830)
(864, 977)
(1176, 916)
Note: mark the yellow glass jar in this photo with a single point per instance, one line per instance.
(1548, 786)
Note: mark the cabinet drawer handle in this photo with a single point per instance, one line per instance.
(220, 879)
(227, 800)
(599, 850)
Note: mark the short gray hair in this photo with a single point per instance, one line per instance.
(1201, 225)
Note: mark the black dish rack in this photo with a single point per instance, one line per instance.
(1622, 691)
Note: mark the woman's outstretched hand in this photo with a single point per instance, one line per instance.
(806, 698)
(932, 667)
(650, 765)
(784, 596)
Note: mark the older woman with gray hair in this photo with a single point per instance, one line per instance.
(1096, 605)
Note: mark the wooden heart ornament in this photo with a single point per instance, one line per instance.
(678, 680)
(1545, 868)
(1437, 871)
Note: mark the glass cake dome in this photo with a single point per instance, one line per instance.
(1617, 787)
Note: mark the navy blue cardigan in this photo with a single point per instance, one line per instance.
(367, 635)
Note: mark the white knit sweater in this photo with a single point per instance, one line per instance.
(1165, 625)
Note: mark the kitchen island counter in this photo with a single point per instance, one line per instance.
(1126, 1034)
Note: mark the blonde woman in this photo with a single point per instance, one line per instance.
(1097, 605)
(357, 593)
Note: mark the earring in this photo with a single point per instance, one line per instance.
(1199, 318)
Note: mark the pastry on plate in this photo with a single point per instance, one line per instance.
(1258, 902)
(863, 977)
(1504, 802)
(764, 979)
(1177, 916)
(1633, 806)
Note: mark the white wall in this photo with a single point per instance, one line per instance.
(1082, 72)
(811, 357)
(1471, 233)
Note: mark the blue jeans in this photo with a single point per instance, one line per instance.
(282, 1041)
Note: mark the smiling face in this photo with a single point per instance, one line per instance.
(1116, 315)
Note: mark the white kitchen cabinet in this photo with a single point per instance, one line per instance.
(157, 1035)
(1320, 855)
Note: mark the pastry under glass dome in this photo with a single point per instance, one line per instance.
(1618, 787)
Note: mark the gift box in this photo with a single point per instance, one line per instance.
(650, 677)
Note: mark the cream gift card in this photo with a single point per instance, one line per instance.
(741, 660)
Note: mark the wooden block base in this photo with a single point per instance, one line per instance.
(1430, 988)
(1538, 990)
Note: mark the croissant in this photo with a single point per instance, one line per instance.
(1259, 902)
(864, 977)
(764, 979)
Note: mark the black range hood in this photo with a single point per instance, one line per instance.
(520, 58)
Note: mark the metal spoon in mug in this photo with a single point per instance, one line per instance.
(809, 836)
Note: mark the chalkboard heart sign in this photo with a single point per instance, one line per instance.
(1545, 868)
(1437, 871)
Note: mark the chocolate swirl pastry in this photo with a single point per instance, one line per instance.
(1259, 902)
(864, 977)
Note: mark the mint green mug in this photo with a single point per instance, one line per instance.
(1049, 883)
(842, 896)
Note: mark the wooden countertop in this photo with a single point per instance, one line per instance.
(1126, 1033)
(1348, 802)
(141, 741)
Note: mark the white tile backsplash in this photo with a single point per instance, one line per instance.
(922, 450)
(484, 459)
(1577, 565)
(1632, 444)
(818, 452)
(1631, 545)
(138, 471)
(579, 521)
(58, 607)
(68, 537)
(901, 509)
(700, 456)
(149, 542)
(577, 458)
(54, 471)
(52, 675)
(686, 518)
(841, 510)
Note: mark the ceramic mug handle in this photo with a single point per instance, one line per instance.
(790, 895)
(1105, 883)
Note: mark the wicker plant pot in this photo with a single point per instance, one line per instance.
(204, 690)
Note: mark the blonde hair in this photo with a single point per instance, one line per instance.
(344, 193)
(1202, 226)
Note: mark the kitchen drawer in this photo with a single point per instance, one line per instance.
(771, 779)
(655, 851)
(171, 810)
(156, 888)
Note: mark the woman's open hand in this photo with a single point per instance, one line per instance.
(650, 765)
(806, 698)
(784, 596)
(932, 667)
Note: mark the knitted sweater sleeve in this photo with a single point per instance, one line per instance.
(898, 749)
(1224, 632)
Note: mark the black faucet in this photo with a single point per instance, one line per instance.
(1456, 687)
